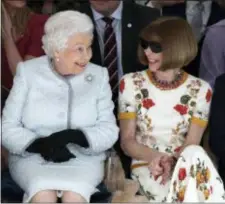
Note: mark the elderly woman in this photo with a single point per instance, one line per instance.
(58, 120)
(163, 115)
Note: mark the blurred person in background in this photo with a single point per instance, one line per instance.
(217, 124)
(49, 7)
(42, 6)
(212, 62)
(21, 32)
(36, 5)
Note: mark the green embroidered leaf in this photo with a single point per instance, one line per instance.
(193, 104)
(168, 150)
(138, 96)
(145, 93)
(184, 99)
(139, 107)
(192, 171)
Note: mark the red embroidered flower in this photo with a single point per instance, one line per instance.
(208, 95)
(122, 85)
(148, 103)
(182, 174)
(178, 149)
(181, 109)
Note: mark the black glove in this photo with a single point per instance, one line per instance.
(49, 152)
(58, 155)
(65, 137)
(40, 145)
(58, 139)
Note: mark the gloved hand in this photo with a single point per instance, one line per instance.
(50, 152)
(40, 145)
(65, 137)
(48, 146)
(58, 155)
(58, 139)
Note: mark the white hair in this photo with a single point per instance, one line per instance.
(60, 26)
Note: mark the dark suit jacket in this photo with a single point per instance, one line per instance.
(217, 14)
(217, 124)
(139, 17)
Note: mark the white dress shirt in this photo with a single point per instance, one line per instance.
(100, 27)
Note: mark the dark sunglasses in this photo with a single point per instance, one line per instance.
(154, 46)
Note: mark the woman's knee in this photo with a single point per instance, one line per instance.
(45, 196)
(70, 197)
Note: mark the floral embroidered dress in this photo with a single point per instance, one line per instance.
(163, 118)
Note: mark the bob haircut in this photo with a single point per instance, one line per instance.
(61, 26)
(179, 46)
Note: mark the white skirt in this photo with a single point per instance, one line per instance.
(33, 174)
(194, 179)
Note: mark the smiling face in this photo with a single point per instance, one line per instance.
(154, 59)
(74, 58)
(179, 46)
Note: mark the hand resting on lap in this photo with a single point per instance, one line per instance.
(53, 148)
(163, 166)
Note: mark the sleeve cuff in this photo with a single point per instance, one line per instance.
(198, 121)
(127, 115)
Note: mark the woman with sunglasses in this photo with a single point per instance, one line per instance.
(163, 115)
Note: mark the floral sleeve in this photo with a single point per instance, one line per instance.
(201, 113)
(127, 107)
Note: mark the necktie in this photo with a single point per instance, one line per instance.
(197, 21)
(110, 57)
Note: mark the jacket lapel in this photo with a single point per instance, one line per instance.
(129, 31)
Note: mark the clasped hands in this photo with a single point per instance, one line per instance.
(53, 148)
(162, 165)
